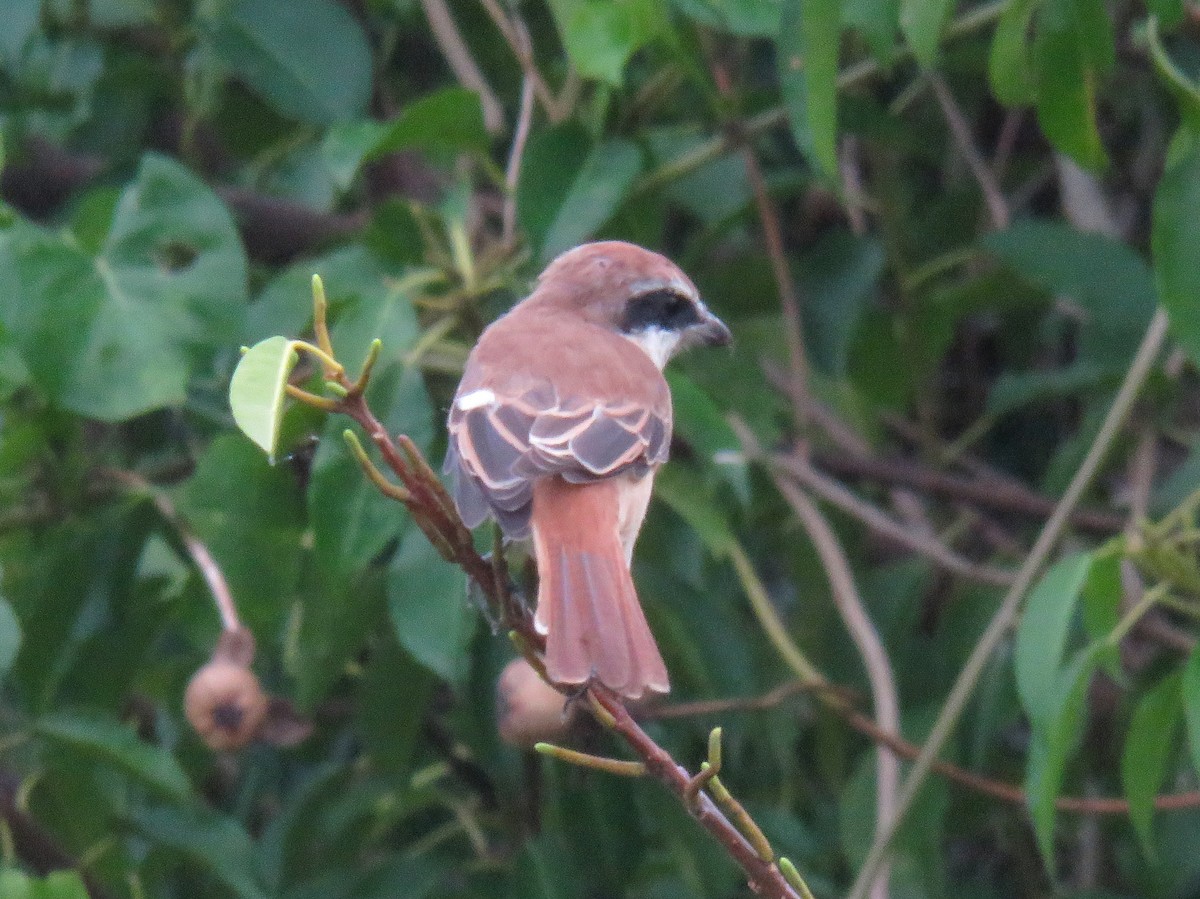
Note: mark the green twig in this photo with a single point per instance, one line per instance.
(793, 877)
(376, 477)
(602, 714)
(1010, 606)
(769, 620)
(708, 770)
(741, 819)
(586, 760)
(323, 403)
(1149, 599)
(333, 368)
(364, 376)
(321, 319)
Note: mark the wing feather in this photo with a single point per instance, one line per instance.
(498, 449)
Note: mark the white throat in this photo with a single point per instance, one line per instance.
(657, 343)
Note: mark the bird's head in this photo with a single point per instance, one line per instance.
(639, 294)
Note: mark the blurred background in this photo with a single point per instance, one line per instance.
(939, 232)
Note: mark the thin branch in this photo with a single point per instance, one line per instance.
(785, 284)
(835, 699)
(1143, 464)
(769, 700)
(969, 22)
(961, 132)
(196, 549)
(458, 56)
(1000, 495)
(800, 471)
(1010, 606)
(852, 185)
(870, 648)
(1080, 805)
(512, 174)
(39, 849)
(764, 877)
(434, 513)
(516, 35)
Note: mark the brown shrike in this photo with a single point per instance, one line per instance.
(561, 419)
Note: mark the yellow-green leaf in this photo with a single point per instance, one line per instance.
(258, 389)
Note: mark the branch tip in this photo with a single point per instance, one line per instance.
(741, 818)
(603, 715)
(586, 760)
(364, 376)
(792, 876)
(324, 403)
(320, 313)
(377, 477)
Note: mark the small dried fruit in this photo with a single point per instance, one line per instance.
(225, 704)
(528, 710)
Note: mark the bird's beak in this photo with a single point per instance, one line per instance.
(711, 331)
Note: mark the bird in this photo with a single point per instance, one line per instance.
(558, 425)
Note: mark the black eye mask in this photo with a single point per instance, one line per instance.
(663, 309)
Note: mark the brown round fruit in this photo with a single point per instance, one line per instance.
(528, 710)
(225, 704)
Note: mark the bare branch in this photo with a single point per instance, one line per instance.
(459, 58)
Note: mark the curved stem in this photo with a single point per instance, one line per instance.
(1010, 607)
(870, 649)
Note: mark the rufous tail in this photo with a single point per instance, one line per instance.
(587, 605)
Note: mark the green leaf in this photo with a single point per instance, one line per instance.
(553, 160)
(249, 514)
(1016, 389)
(1042, 634)
(839, 277)
(701, 423)
(57, 885)
(20, 22)
(877, 21)
(115, 744)
(258, 390)
(1009, 65)
(675, 487)
(1103, 591)
(352, 521)
(808, 58)
(921, 21)
(1107, 278)
(1186, 92)
(600, 36)
(347, 145)
(10, 637)
(119, 334)
(601, 185)
(449, 120)
(308, 58)
(745, 18)
(1054, 738)
(1072, 50)
(391, 707)
(217, 843)
(1175, 241)
(427, 600)
(1148, 749)
(1191, 704)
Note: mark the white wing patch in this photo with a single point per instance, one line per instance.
(476, 399)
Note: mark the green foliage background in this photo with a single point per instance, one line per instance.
(176, 171)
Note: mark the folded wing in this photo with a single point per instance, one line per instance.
(498, 448)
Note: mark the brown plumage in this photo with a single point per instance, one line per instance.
(556, 430)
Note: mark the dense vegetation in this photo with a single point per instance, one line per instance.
(942, 491)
